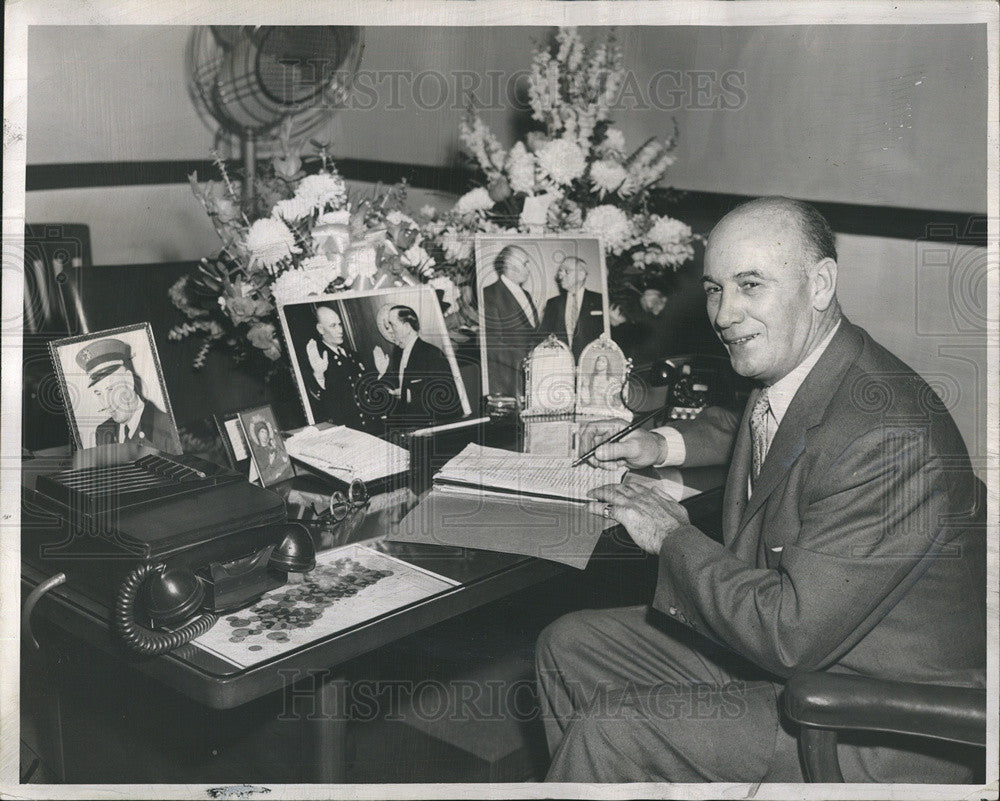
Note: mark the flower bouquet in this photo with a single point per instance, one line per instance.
(575, 175)
(301, 234)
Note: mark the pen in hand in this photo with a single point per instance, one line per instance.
(617, 436)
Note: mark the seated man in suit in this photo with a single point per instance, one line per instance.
(418, 374)
(510, 321)
(576, 314)
(853, 542)
(118, 389)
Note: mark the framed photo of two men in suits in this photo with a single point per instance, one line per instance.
(110, 384)
(530, 287)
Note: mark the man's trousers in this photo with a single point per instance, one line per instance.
(628, 696)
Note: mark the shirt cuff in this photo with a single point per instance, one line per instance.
(673, 452)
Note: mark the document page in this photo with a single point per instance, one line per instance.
(347, 454)
(524, 473)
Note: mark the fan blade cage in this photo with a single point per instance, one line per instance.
(251, 82)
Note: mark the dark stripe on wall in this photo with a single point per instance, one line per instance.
(699, 209)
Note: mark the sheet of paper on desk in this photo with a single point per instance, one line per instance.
(347, 454)
(525, 473)
(675, 489)
(348, 586)
(547, 529)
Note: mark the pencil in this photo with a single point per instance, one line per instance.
(615, 437)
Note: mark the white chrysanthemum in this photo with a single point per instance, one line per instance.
(612, 225)
(562, 160)
(417, 258)
(269, 241)
(607, 175)
(292, 285)
(360, 262)
(477, 199)
(342, 217)
(521, 169)
(457, 246)
(322, 189)
(672, 240)
(396, 217)
(428, 211)
(666, 231)
(614, 141)
(292, 209)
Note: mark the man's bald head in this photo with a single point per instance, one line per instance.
(781, 217)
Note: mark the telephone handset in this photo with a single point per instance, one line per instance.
(171, 596)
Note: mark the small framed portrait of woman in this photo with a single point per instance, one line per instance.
(267, 448)
(602, 380)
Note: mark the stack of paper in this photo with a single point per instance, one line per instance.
(347, 454)
(494, 470)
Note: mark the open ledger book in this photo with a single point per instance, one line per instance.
(492, 470)
(518, 503)
(346, 454)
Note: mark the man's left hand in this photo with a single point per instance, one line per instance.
(648, 513)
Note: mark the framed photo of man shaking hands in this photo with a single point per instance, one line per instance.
(113, 390)
(530, 287)
(374, 360)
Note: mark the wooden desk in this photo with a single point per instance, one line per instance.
(310, 673)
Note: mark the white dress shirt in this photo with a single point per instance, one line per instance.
(404, 359)
(779, 396)
(522, 299)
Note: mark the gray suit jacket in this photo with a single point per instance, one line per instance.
(862, 547)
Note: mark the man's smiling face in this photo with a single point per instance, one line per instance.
(759, 296)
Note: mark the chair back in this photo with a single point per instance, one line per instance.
(55, 257)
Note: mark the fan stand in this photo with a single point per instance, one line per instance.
(248, 145)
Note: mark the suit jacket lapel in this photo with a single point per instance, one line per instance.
(516, 307)
(805, 411)
(735, 498)
(534, 309)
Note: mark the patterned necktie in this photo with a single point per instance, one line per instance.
(758, 434)
(126, 433)
(572, 311)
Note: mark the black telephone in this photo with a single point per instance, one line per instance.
(696, 381)
(174, 594)
(193, 540)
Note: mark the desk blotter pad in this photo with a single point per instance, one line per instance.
(349, 585)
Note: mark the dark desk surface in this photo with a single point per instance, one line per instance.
(483, 577)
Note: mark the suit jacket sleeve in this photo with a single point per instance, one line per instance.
(709, 438)
(867, 513)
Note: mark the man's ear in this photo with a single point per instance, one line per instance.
(824, 284)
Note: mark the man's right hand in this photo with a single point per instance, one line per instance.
(640, 448)
(381, 359)
(317, 363)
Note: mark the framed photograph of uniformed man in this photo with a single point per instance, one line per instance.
(113, 390)
(374, 360)
(532, 286)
